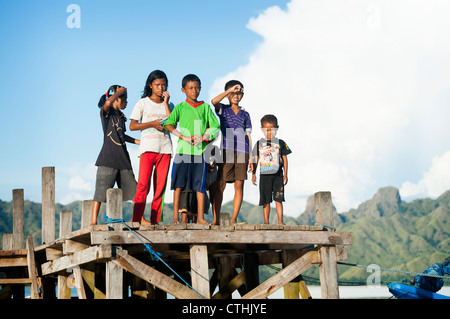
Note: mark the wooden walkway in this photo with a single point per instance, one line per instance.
(106, 261)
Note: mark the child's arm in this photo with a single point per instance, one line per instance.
(136, 126)
(112, 98)
(174, 131)
(216, 101)
(285, 167)
(166, 96)
(250, 160)
(130, 139)
(254, 165)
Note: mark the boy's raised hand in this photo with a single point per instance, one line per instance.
(235, 89)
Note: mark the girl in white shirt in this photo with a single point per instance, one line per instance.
(155, 150)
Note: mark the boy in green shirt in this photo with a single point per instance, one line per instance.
(197, 125)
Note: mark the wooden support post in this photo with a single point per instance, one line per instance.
(224, 219)
(88, 271)
(7, 241)
(225, 273)
(65, 222)
(32, 272)
(48, 204)
(64, 291)
(328, 267)
(251, 267)
(18, 219)
(200, 270)
(86, 213)
(114, 272)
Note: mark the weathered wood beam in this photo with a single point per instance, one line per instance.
(153, 276)
(32, 272)
(95, 253)
(18, 219)
(328, 267)
(224, 237)
(200, 269)
(284, 276)
(48, 204)
(230, 287)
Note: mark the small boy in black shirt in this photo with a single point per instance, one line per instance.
(271, 153)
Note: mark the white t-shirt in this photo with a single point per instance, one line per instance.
(152, 140)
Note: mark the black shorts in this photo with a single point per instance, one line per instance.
(270, 186)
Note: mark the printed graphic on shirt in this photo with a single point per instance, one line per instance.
(270, 154)
(269, 157)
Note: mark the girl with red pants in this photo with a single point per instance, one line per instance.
(155, 150)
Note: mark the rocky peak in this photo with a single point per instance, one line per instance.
(385, 202)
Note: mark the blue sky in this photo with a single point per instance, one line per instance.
(361, 89)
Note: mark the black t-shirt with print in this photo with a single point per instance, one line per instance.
(270, 154)
(114, 152)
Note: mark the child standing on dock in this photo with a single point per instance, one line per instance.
(236, 127)
(197, 124)
(271, 153)
(114, 164)
(155, 150)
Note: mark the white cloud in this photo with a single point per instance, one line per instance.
(352, 83)
(77, 183)
(433, 183)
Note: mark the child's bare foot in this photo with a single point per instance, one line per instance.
(232, 221)
(202, 221)
(144, 221)
(175, 221)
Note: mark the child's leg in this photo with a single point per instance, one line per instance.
(159, 186)
(279, 207)
(145, 174)
(266, 212)
(238, 196)
(201, 208)
(216, 201)
(95, 210)
(176, 202)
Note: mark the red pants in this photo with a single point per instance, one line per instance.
(160, 163)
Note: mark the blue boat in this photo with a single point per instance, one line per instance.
(404, 291)
(423, 286)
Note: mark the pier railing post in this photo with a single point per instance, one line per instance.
(114, 272)
(48, 204)
(18, 219)
(328, 265)
(65, 227)
(200, 270)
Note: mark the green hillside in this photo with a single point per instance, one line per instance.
(386, 230)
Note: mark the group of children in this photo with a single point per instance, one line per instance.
(209, 154)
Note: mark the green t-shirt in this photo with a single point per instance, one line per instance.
(193, 121)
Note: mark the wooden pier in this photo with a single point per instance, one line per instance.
(114, 261)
